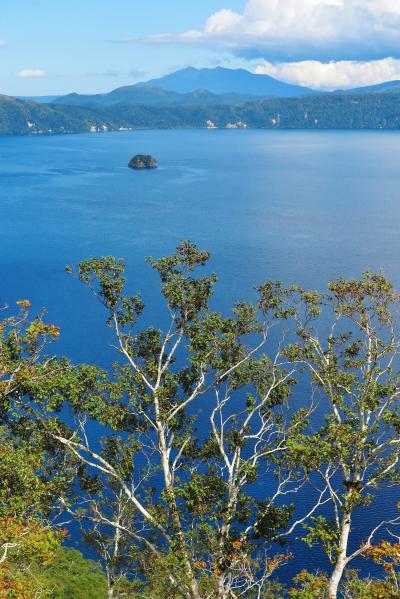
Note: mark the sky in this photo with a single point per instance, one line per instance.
(49, 47)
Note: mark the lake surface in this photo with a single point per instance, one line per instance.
(302, 207)
(299, 206)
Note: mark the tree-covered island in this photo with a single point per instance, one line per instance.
(143, 162)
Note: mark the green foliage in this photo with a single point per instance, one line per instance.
(309, 586)
(188, 421)
(320, 531)
(369, 588)
(22, 491)
(71, 576)
(201, 491)
(25, 545)
(330, 111)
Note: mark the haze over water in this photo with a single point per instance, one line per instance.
(301, 207)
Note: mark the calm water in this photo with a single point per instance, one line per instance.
(302, 207)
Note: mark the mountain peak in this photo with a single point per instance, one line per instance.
(221, 80)
(192, 85)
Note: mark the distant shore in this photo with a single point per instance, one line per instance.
(371, 111)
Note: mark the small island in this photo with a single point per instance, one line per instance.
(141, 161)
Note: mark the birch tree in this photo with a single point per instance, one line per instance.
(200, 417)
(348, 341)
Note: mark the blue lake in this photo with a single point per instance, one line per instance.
(302, 207)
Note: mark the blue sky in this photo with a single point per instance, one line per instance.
(53, 47)
(77, 43)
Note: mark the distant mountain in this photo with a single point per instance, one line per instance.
(387, 87)
(199, 87)
(223, 81)
(193, 86)
(39, 99)
(149, 95)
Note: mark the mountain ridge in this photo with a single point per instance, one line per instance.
(193, 86)
(385, 87)
(219, 80)
(150, 95)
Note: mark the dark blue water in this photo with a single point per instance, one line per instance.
(301, 207)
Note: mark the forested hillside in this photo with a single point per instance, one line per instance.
(331, 111)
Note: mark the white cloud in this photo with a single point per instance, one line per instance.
(343, 74)
(114, 73)
(222, 21)
(302, 30)
(3, 44)
(32, 73)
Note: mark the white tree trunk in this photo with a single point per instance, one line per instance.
(341, 561)
(110, 587)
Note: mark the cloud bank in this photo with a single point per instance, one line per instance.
(300, 30)
(25, 73)
(333, 75)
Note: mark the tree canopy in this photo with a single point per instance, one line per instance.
(193, 485)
